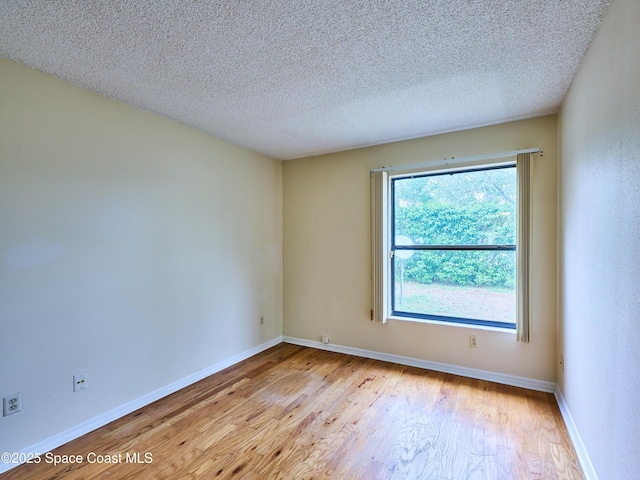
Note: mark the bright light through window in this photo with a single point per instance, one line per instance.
(454, 246)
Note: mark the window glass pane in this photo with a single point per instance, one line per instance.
(462, 208)
(478, 285)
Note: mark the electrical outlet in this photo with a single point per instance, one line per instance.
(473, 341)
(79, 381)
(12, 404)
(325, 338)
(562, 362)
(261, 319)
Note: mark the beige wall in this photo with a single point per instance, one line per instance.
(327, 259)
(131, 247)
(599, 329)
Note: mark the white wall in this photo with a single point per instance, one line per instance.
(599, 327)
(327, 253)
(133, 248)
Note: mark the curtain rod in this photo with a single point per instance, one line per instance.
(453, 160)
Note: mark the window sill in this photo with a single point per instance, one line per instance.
(452, 324)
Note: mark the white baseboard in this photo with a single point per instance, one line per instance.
(576, 439)
(101, 420)
(513, 380)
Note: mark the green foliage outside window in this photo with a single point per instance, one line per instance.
(472, 209)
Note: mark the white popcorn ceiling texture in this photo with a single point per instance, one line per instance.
(296, 78)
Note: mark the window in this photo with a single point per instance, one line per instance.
(453, 246)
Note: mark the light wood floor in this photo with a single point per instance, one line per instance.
(300, 413)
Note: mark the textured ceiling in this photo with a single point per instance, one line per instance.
(295, 78)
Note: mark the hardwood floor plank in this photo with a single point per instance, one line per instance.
(298, 413)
